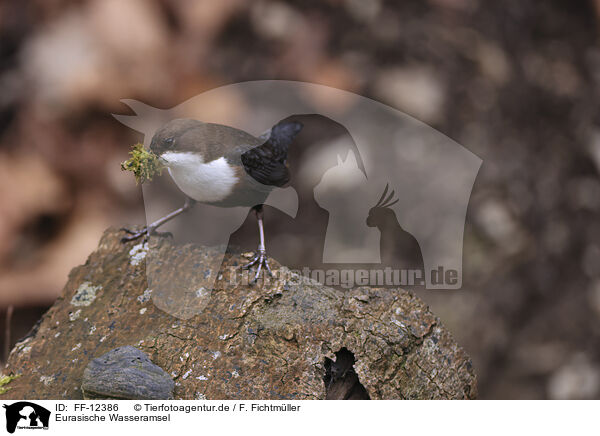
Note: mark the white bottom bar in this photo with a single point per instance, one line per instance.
(324, 417)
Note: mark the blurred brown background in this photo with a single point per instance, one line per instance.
(515, 82)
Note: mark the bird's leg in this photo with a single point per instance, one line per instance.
(260, 258)
(151, 228)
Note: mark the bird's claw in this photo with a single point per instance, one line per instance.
(133, 235)
(261, 260)
(146, 232)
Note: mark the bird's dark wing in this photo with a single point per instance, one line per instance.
(267, 163)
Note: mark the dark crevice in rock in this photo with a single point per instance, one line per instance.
(341, 381)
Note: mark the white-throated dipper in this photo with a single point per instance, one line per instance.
(225, 167)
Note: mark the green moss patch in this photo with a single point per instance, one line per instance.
(4, 381)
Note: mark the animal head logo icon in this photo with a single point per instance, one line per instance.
(25, 414)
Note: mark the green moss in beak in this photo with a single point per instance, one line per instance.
(143, 163)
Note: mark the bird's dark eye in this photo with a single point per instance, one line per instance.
(168, 141)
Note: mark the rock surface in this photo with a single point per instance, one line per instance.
(126, 373)
(283, 339)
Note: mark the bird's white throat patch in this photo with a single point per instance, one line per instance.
(204, 182)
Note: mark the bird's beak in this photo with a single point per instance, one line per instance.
(163, 160)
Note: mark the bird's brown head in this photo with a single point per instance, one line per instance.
(168, 137)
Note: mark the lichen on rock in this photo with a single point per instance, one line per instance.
(85, 295)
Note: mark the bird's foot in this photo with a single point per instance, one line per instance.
(145, 232)
(261, 260)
